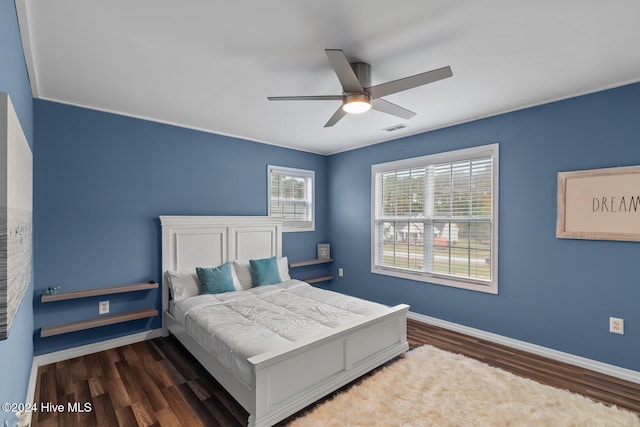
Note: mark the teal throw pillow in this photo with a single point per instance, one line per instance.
(264, 271)
(216, 280)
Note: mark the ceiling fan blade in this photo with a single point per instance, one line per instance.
(340, 113)
(306, 98)
(391, 108)
(345, 73)
(399, 85)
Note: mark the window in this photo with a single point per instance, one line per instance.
(291, 196)
(435, 218)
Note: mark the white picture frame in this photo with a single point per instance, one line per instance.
(599, 204)
(16, 207)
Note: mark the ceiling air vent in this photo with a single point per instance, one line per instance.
(396, 127)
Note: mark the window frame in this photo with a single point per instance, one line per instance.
(490, 286)
(297, 173)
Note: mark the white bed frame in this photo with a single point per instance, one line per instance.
(289, 379)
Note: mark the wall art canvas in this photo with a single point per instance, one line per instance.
(16, 206)
(599, 204)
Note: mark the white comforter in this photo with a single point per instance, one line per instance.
(235, 326)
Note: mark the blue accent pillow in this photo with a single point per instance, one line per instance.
(216, 280)
(264, 271)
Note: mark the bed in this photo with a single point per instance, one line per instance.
(275, 381)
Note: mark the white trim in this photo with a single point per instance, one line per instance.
(445, 156)
(488, 150)
(583, 362)
(70, 353)
(33, 377)
(29, 59)
(572, 359)
(300, 173)
(186, 221)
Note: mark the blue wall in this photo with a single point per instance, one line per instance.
(16, 353)
(100, 183)
(553, 292)
(102, 180)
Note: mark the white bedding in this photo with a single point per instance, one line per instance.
(235, 326)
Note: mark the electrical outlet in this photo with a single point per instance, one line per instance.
(103, 307)
(616, 326)
(340, 272)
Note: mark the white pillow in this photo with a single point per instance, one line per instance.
(243, 270)
(283, 268)
(236, 279)
(183, 284)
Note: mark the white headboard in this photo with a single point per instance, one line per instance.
(208, 241)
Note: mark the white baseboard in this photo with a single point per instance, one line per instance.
(583, 362)
(58, 356)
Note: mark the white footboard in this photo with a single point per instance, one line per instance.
(289, 380)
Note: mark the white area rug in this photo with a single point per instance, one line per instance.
(432, 387)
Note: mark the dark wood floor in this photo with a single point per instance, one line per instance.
(158, 383)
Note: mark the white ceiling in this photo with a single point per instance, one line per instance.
(210, 65)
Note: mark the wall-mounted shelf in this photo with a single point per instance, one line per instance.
(313, 262)
(104, 320)
(310, 262)
(317, 279)
(97, 321)
(61, 296)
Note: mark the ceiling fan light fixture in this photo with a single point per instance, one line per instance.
(356, 103)
(357, 92)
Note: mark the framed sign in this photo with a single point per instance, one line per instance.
(324, 251)
(599, 204)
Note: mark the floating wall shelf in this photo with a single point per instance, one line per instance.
(61, 296)
(310, 262)
(95, 322)
(317, 279)
(313, 262)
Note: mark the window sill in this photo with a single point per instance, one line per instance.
(286, 229)
(490, 288)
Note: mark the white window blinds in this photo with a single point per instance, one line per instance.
(435, 218)
(291, 196)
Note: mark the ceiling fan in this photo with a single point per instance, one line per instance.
(358, 96)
